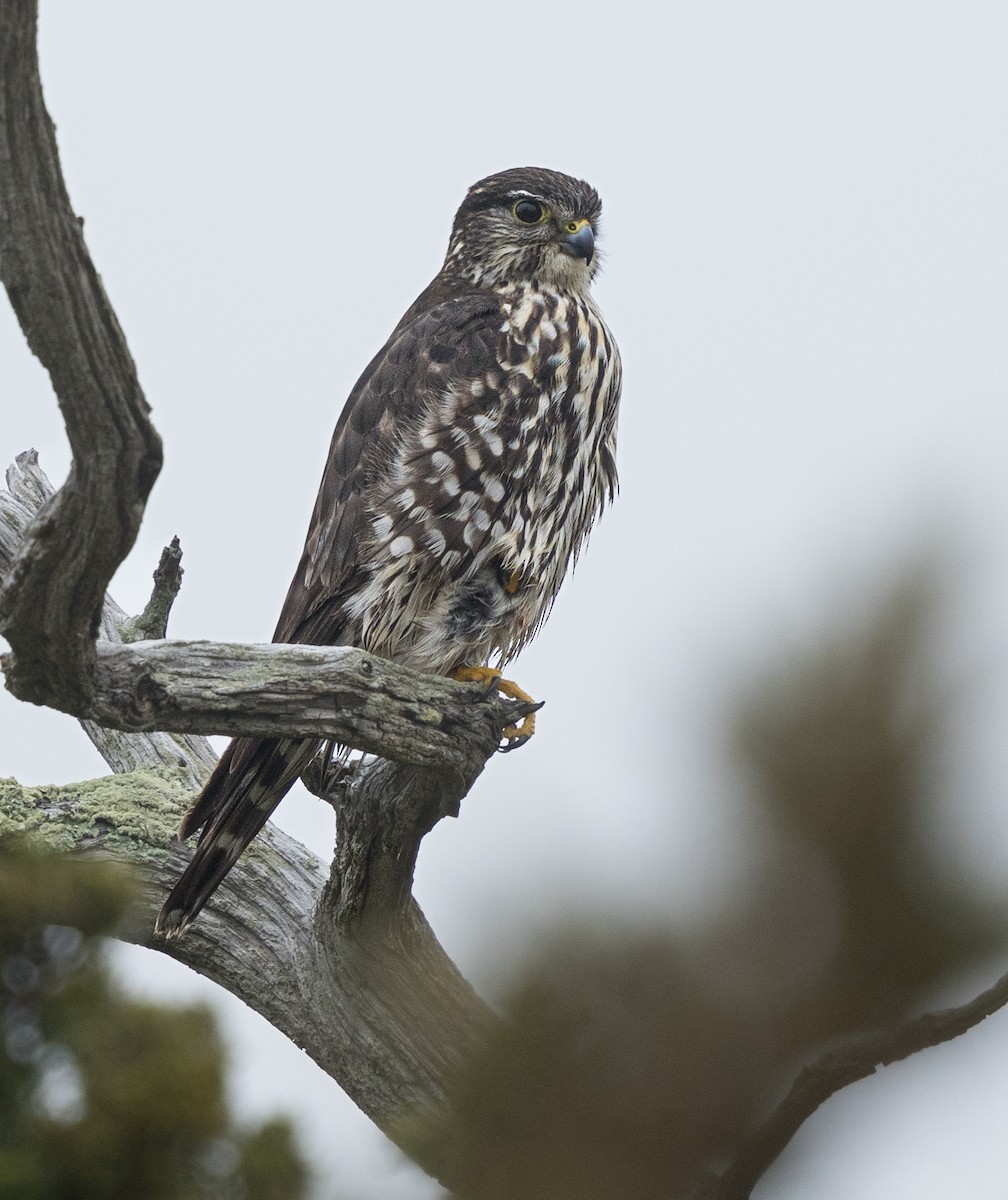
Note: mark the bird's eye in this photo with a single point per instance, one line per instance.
(529, 212)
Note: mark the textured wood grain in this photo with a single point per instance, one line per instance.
(51, 599)
(388, 1017)
(30, 489)
(306, 691)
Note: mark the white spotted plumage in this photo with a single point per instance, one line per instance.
(544, 463)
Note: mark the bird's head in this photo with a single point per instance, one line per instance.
(527, 224)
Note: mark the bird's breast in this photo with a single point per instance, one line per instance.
(496, 487)
(561, 430)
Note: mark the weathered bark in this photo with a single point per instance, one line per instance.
(30, 490)
(51, 600)
(387, 1015)
(304, 691)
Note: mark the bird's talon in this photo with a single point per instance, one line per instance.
(514, 735)
(518, 734)
(485, 675)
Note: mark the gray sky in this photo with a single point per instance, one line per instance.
(807, 273)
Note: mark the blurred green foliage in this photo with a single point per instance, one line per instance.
(103, 1097)
(634, 1062)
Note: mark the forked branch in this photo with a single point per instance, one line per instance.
(53, 590)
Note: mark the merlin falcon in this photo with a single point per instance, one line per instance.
(467, 468)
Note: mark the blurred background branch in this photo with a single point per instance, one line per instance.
(857, 1058)
(653, 1063)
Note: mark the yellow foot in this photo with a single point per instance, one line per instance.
(514, 735)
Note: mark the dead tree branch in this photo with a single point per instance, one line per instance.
(52, 598)
(389, 1017)
(152, 623)
(30, 489)
(433, 736)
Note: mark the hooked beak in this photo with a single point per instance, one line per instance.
(578, 240)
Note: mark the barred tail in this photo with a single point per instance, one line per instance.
(250, 780)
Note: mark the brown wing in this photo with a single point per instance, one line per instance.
(433, 343)
(437, 339)
(456, 337)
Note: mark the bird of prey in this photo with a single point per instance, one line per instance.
(465, 473)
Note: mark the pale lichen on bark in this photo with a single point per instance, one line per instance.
(137, 813)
